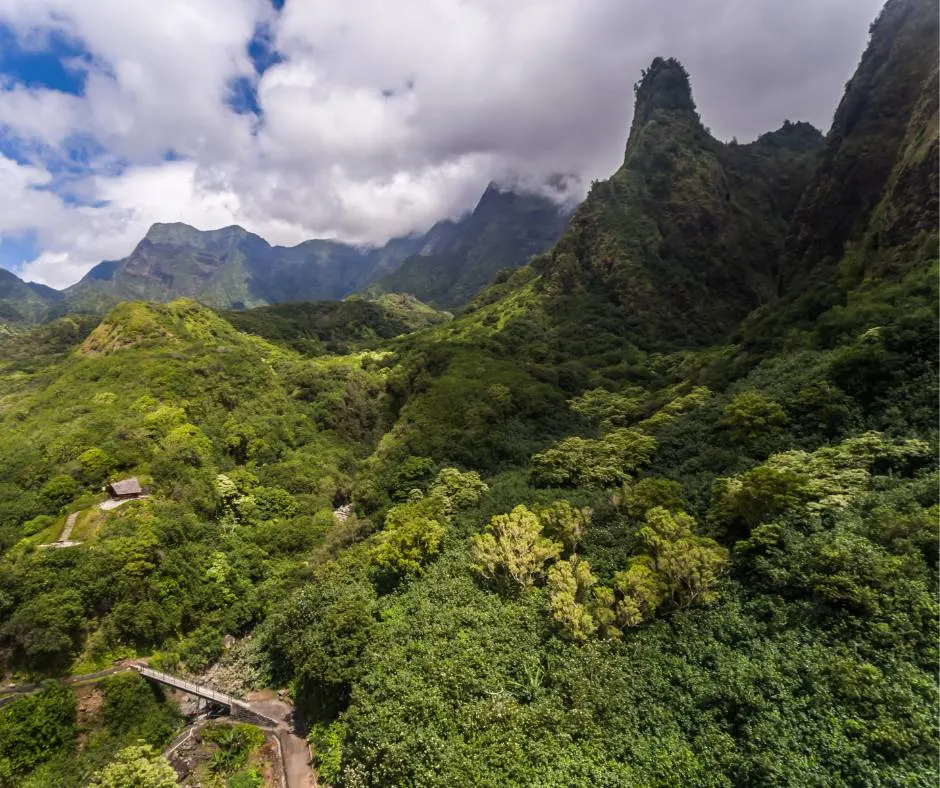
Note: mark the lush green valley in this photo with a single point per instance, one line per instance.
(659, 508)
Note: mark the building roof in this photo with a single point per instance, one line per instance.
(126, 487)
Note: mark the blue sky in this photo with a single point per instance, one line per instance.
(42, 68)
(46, 67)
(359, 119)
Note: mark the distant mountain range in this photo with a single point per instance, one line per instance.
(231, 268)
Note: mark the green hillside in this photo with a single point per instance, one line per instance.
(658, 508)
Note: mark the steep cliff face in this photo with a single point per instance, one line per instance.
(174, 260)
(686, 236)
(460, 258)
(864, 237)
(877, 176)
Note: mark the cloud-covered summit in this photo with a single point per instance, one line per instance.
(359, 119)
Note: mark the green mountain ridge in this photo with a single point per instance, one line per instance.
(231, 268)
(23, 303)
(686, 237)
(657, 508)
(223, 268)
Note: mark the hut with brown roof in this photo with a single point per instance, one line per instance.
(125, 489)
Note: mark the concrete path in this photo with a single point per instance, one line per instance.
(69, 525)
(113, 503)
(294, 748)
(65, 537)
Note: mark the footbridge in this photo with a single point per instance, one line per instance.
(237, 708)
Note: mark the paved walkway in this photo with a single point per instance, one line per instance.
(114, 503)
(69, 525)
(294, 748)
(65, 539)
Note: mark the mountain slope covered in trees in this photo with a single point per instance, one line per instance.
(659, 508)
(461, 258)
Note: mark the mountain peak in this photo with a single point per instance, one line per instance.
(494, 195)
(663, 86)
(179, 232)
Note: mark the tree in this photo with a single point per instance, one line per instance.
(513, 547)
(95, 465)
(59, 491)
(319, 636)
(593, 463)
(409, 539)
(637, 498)
(137, 766)
(607, 409)
(751, 415)
(641, 592)
(569, 585)
(162, 418)
(34, 729)
(458, 490)
(274, 502)
(187, 444)
(677, 569)
(44, 629)
(564, 523)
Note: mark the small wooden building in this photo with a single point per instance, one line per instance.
(124, 489)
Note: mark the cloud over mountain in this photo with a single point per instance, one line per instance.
(358, 120)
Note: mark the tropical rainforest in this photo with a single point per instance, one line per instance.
(658, 508)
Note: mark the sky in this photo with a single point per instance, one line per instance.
(360, 120)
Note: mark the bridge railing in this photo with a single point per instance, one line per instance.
(187, 686)
(201, 691)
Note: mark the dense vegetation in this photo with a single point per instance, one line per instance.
(117, 734)
(659, 508)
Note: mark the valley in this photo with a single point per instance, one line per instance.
(643, 494)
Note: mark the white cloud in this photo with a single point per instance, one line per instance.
(383, 117)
